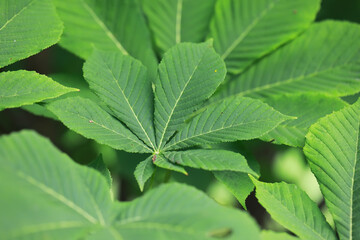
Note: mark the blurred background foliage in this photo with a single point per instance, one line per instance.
(275, 162)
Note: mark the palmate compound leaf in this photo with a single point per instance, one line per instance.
(113, 25)
(22, 87)
(292, 208)
(175, 21)
(123, 84)
(308, 108)
(26, 28)
(55, 198)
(332, 149)
(187, 75)
(235, 118)
(324, 59)
(245, 30)
(90, 120)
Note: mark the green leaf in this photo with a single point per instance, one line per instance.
(214, 160)
(144, 170)
(332, 148)
(55, 198)
(235, 118)
(88, 119)
(188, 75)
(308, 108)
(238, 183)
(26, 28)
(270, 235)
(245, 30)
(23, 88)
(163, 162)
(292, 208)
(48, 197)
(321, 60)
(113, 25)
(179, 212)
(99, 165)
(122, 83)
(175, 21)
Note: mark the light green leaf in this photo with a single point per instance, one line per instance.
(292, 208)
(187, 76)
(214, 160)
(99, 165)
(245, 30)
(26, 28)
(321, 60)
(162, 162)
(179, 212)
(269, 235)
(308, 108)
(235, 118)
(88, 119)
(175, 21)
(238, 183)
(60, 199)
(113, 25)
(44, 194)
(23, 88)
(332, 148)
(123, 84)
(144, 170)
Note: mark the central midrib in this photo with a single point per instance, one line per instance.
(106, 30)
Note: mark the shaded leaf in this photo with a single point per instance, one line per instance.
(106, 25)
(99, 165)
(238, 183)
(308, 108)
(175, 21)
(321, 60)
(162, 162)
(245, 30)
(144, 170)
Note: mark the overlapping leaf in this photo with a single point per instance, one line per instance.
(21, 87)
(62, 200)
(292, 208)
(123, 84)
(235, 118)
(26, 28)
(308, 108)
(187, 76)
(144, 170)
(106, 25)
(332, 148)
(321, 60)
(219, 160)
(87, 118)
(48, 197)
(175, 21)
(245, 30)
